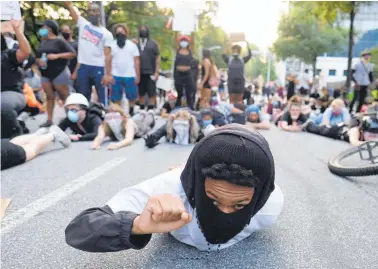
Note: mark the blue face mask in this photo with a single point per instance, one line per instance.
(43, 32)
(207, 122)
(73, 116)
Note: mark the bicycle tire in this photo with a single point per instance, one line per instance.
(337, 168)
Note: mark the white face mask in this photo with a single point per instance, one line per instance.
(181, 128)
(10, 42)
(114, 120)
(184, 44)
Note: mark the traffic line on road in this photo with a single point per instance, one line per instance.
(12, 220)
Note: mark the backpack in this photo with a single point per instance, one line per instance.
(97, 109)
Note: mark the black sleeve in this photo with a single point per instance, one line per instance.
(246, 58)
(64, 124)
(157, 50)
(286, 117)
(92, 133)
(12, 56)
(100, 230)
(167, 107)
(353, 79)
(65, 46)
(226, 58)
(371, 77)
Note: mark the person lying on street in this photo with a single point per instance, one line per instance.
(217, 200)
(83, 123)
(293, 119)
(24, 148)
(336, 114)
(256, 119)
(120, 128)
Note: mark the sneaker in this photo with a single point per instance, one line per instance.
(42, 131)
(60, 136)
(46, 124)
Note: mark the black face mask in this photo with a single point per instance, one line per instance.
(121, 40)
(66, 36)
(93, 19)
(143, 33)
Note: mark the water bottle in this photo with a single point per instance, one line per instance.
(44, 59)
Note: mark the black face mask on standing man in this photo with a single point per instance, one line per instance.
(93, 19)
(121, 40)
(66, 36)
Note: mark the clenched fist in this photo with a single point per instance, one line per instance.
(162, 214)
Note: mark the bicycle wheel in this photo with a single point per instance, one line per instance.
(347, 162)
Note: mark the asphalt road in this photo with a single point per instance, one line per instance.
(327, 221)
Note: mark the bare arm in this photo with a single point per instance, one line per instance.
(129, 136)
(99, 138)
(108, 61)
(157, 70)
(72, 11)
(265, 125)
(163, 113)
(286, 127)
(23, 50)
(137, 68)
(354, 137)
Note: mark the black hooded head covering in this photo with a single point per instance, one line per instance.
(233, 146)
(147, 31)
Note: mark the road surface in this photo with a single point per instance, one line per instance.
(327, 221)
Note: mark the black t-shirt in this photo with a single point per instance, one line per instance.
(73, 62)
(148, 56)
(315, 95)
(90, 125)
(286, 117)
(167, 107)
(54, 46)
(11, 75)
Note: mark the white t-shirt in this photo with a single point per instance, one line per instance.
(303, 81)
(92, 40)
(123, 64)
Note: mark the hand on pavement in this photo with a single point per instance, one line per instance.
(95, 146)
(75, 137)
(52, 57)
(113, 146)
(162, 214)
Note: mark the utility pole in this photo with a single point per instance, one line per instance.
(102, 10)
(269, 63)
(350, 49)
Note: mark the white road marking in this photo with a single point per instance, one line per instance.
(19, 217)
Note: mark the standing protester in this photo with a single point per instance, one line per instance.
(304, 83)
(94, 47)
(290, 87)
(12, 98)
(73, 66)
(52, 58)
(149, 67)
(209, 78)
(362, 75)
(125, 66)
(183, 73)
(236, 80)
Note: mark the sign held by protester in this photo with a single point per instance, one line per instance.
(10, 10)
(185, 19)
(237, 37)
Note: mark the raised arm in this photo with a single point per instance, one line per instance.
(72, 11)
(23, 51)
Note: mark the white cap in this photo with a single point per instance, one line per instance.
(77, 99)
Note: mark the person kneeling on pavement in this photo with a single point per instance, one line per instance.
(256, 119)
(217, 200)
(120, 128)
(26, 147)
(83, 121)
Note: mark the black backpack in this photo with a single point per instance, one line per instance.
(97, 109)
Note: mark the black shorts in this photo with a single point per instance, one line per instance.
(11, 154)
(236, 86)
(147, 85)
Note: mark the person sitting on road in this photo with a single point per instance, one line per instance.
(293, 119)
(256, 119)
(169, 105)
(217, 200)
(336, 114)
(120, 128)
(26, 147)
(80, 120)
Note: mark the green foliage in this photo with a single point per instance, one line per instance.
(374, 60)
(305, 38)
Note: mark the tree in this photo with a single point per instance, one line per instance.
(305, 38)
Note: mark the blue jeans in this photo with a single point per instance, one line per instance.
(89, 75)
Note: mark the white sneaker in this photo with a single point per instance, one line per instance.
(60, 136)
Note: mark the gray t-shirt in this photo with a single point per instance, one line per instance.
(361, 75)
(149, 50)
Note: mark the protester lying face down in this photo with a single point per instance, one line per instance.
(182, 128)
(220, 199)
(336, 114)
(256, 118)
(81, 118)
(122, 129)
